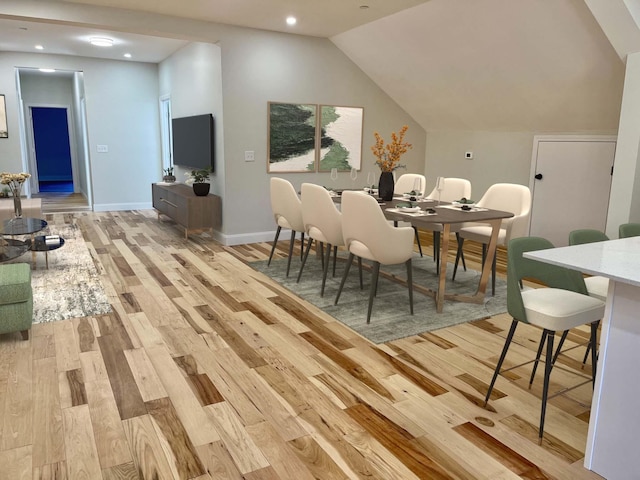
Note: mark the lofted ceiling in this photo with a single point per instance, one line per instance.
(490, 65)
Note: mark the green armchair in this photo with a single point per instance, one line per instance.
(16, 299)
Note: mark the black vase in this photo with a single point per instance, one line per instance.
(385, 186)
(201, 189)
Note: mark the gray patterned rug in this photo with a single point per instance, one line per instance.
(70, 288)
(390, 318)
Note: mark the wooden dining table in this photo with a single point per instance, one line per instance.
(446, 215)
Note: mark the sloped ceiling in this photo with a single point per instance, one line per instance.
(490, 65)
(494, 65)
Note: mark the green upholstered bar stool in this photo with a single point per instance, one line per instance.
(629, 230)
(16, 299)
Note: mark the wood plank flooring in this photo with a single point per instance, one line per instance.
(207, 369)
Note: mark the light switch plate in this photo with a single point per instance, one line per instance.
(103, 148)
(249, 156)
(468, 155)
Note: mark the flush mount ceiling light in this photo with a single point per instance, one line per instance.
(47, 70)
(291, 20)
(101, 42)
(127, 55)
(39, 47)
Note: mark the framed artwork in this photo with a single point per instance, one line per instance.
(292, 132)
(340, 138)
(4, 132)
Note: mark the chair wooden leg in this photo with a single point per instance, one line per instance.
(507, 342)
(545, 388)
(360, 271)
(458, 254)
(273, 247)
(410, 284)
(325, 270)
(304, 258)
(293, 239)
(25, 334)
(335, 256)
(418, 240)
(373, 288)
(344, 276)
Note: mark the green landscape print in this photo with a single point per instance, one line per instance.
(292, 137)
(342, 126)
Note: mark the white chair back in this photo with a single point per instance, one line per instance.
(367, 234)
(285, 204)
(509, 197)
(322, 220)
(454, 189)
(407, 182)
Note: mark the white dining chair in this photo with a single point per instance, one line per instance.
(507, 197)
(454, 189)
(287, 211)
(407, 183)
(322, 224)
(368, 235)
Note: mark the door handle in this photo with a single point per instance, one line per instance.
(538, 176)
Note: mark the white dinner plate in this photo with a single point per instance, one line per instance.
(409, 209)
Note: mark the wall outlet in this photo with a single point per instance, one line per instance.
(103, 148)
(468, 155)
(249, 156)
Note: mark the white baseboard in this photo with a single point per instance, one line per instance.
(106, 207)
(255, 237)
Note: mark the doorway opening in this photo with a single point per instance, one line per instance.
(52, 149)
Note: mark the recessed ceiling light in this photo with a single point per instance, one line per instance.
(127, 55)
(39, 47)
(47, 70)
(291, 20)
(101, 42)
(364, 7)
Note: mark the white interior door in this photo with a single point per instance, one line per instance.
(571, 185)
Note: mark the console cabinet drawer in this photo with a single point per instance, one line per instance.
(194, 213)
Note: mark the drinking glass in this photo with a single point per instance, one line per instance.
(439, 187)
(371, 178)
(334, 174)
(417, 187)
(354, 175)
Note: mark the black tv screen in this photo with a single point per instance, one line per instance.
(193, 141)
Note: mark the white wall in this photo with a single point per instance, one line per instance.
(260, 66)
(192, 78)
(624, 203)
(122, 113)
(497, 157)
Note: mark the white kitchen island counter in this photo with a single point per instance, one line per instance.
(613, 442)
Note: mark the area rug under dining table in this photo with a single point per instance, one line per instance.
(390, 319)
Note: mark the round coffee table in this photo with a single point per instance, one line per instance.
(44, 243)
(22, 226)
(11, 248)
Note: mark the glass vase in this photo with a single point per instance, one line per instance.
(17, 206)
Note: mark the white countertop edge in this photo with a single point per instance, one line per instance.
(618, 260)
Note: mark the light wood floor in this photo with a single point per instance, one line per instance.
(208, 370)
(54, 202)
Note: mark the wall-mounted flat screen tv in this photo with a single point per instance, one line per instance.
(193, 141)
